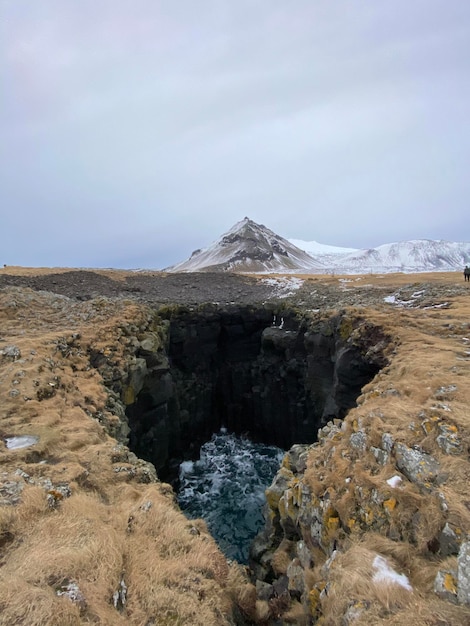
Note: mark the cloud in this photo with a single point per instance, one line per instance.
(159, 124)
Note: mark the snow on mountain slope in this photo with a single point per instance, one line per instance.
(421, 255)
(313, 247)
(250, 247)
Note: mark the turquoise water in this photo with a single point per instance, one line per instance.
(226, 488)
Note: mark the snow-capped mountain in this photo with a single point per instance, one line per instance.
(420, 255)
(251, 247)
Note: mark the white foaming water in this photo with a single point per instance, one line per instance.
(226, 488)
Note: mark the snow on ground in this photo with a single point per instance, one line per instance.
(414, 302)
(284, 287)
(397, 301)
(394, 481)
(384, 573)
(20, 441)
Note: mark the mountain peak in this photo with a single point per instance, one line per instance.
(248, 247)
(245, 223)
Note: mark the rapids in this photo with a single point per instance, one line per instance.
(226, 488)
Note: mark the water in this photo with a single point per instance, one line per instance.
(226, 488)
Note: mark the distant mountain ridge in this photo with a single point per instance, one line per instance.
(420, 255)
(254, 248)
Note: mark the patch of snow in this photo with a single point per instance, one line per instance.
(394, 299)
(20, 441)
(394, 481)
(384, 573)
(72, 591)
(284, 287)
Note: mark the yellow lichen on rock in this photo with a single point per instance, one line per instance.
(450, 584)
(390, 504)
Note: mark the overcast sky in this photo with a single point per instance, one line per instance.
(134, 131)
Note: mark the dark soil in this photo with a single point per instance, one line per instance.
(189, 289)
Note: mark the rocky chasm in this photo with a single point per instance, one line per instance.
(282, 377)
(273, 376)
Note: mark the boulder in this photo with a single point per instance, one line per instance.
(419, 467)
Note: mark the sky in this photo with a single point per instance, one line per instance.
(135, 131)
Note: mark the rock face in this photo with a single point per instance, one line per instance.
(278, 378)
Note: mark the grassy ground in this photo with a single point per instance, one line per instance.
(424, 389)
(81, 522)
(18, 270)
(87, 536)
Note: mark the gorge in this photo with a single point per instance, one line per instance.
(273, 376)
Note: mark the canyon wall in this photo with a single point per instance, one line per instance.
(277, 378)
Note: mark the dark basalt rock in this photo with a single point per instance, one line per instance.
(232, 367)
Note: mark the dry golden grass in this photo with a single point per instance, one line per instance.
(114, 274)
(352, 581)
(296, 615)
(352, 587)
(378, 280)
(283, 556)
(93, 534)
(186, 567)
(425, 385)
(112, 528)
